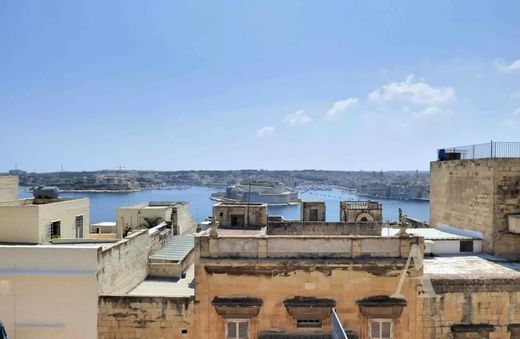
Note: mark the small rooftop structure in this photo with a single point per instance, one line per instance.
(361, 211)
(441, 242)
(240, 215)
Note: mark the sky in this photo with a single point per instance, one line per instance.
(179, 85)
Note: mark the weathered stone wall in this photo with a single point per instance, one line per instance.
(494, 302)
(309, 207)
(323, 228)
(124, 317)
(305, 247)
(8, 188)
(275, 281)
(475, 194)
(223, 213)
(125, 265)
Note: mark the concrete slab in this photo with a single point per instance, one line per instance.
(166, 287)
(471, 267)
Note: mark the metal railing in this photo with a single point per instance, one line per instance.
(492, 149)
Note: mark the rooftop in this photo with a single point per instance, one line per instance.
(155, 204)
(36, 202)
(427, 233)
(475, 266)
(183, 287)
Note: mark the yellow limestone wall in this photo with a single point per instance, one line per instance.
(275, 282)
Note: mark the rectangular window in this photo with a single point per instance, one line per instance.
(237, 329)
(237, 220)
(313, 214)
(466, 245)
(79, 226)
(55, 229)
(308, 323)
(380, 329)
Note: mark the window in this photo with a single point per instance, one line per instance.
(466, 245)
(237, 329)
(380, 328)
(55, 229)
(79, 226)
(306, 323)
(237, 220)
(313, 214)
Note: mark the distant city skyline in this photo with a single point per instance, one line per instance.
(91, 85)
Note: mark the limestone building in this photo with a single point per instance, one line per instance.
(313, 211)
(481, 195)
(361, 211)
(256, 284)
(151, 213)
(240, 215)
(39, 221)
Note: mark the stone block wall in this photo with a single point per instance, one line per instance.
(323, 228)
(124, 265)
(468, 302)
(475, 194)
(128, 317)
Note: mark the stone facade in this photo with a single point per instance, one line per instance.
(337, 270)
(125, 265)
(137, 216)
(240, 215)
(133, 317)
(25, 221)
(323, 228)
(477, 195)
(360, 211)
(464, 305)
(313, 211)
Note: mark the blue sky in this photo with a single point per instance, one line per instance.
(169, 85)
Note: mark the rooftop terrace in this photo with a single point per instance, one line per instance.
(492, 149)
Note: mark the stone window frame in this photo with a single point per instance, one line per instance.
(380, 321)
(237, 322)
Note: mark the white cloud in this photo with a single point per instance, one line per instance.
(265, 131)
(414, 90)
(505, 67)
(297, 119)
(516, 112)
(428, 112)
(341, 106)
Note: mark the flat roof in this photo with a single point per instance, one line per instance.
(427, 233)
(156, 287)
(475, 266)
(155, 204)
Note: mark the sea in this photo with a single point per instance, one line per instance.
(103, 205)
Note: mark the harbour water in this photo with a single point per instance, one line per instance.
(103, 205)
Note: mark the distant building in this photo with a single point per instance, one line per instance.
(313, 211)
(240, 215)
(361, 211)
(149, 214)
(39, 221)
(259, 191)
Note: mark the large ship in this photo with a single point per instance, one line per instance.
(269, 192)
